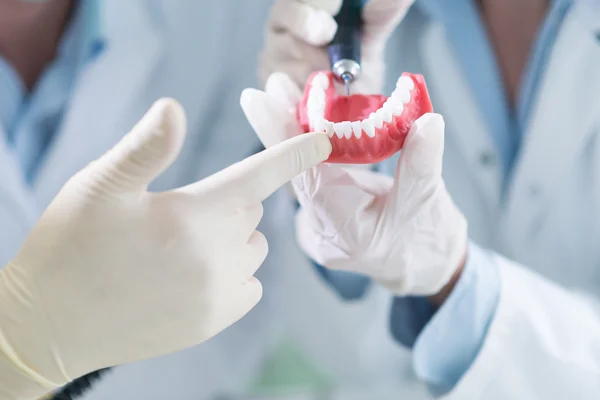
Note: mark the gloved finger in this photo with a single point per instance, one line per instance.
(146, 151)
(258, 248)
(381, 18)
(283, 89)
(312, 25)
(255, 178)
(272, 121)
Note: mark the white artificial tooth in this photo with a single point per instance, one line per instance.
(329, 128)
(396, 107)
(369, 127)
(357, 128)
(376, 119)
(401, 95)
(338, 130)
(347, 129)
(321, 81)
(386, 114)
(405, 82)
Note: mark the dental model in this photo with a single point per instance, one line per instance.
(363, 129)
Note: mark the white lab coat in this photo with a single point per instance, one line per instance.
(545, 339)
(203, 53)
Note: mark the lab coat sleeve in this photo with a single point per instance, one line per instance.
(543, 342)
(448, 340)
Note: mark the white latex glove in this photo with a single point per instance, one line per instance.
(405, 232)
(113, 274)
(299, 31)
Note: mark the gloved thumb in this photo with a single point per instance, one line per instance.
(419, 168)
(146, 151)
(423, 149)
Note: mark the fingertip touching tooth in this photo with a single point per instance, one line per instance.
(329, 128)
(357, 129)
(369, 128)
(319, 125)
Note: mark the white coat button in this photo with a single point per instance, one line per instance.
(535, 190)
(487, 158)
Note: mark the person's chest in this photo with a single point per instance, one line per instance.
(545, 214)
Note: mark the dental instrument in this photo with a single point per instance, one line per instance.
(344, 49)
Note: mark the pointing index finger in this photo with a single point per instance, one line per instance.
(255, 178)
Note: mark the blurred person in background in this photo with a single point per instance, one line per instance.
(508, 308)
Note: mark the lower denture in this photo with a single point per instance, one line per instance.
(321, 113)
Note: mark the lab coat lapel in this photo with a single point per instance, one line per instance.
(451, 96)
(565, 117)
(115, 81)
(15, 196)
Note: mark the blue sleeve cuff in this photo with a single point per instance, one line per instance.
(348, 285)
(451, 340)
(446, 341)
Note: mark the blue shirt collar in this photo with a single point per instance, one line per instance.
(93, 35)
(85, 38)
(444, 9)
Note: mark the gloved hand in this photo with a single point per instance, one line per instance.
(299, 31)
(405, 232)
(113, 274)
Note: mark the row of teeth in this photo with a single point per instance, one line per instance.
(393, 107)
